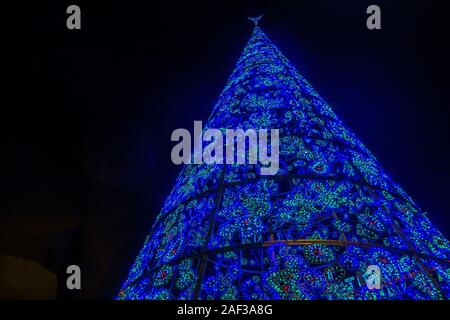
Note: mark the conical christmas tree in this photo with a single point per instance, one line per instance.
(331, 224)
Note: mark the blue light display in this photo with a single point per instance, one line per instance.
(308, 232)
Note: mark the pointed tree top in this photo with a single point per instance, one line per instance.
(255, 19)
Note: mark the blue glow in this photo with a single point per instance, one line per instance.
(311, 231)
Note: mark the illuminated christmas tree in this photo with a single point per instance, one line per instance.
(314, 230)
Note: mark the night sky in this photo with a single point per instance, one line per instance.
(94, 109)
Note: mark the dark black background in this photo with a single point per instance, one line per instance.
(88, 128)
